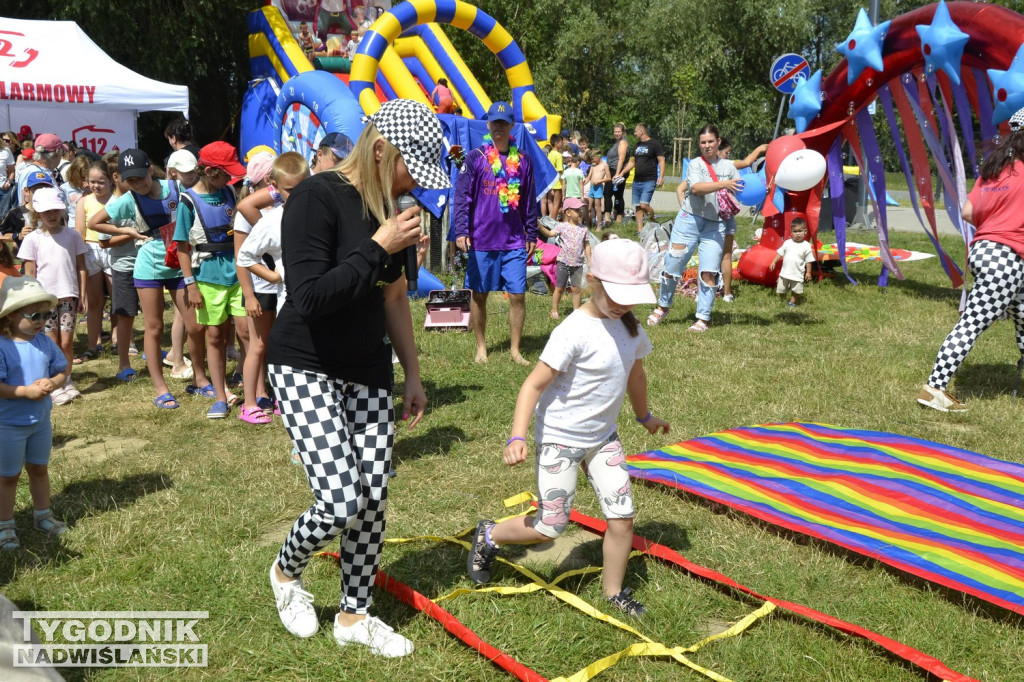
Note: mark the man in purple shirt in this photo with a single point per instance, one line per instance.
(495, 216)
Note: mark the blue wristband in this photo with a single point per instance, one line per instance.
(513, 439)
(645, 419)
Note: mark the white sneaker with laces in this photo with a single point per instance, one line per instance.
(374, 633)
(294, 605)
(71, 391)
(60, 397)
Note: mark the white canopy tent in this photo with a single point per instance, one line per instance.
(54, 78)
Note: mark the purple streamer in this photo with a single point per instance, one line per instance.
(886, 98)
(988, 131)
(944, 137)
(876, 177)
(836, 189)
(963, 110)
(954, 196)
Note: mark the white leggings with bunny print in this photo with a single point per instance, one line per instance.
(557, 473)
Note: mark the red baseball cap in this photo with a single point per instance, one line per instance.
(223, 156)
(25, 133)
(49, 142)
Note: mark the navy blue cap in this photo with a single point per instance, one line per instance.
(500, 111)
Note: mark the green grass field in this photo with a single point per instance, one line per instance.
(169, 511)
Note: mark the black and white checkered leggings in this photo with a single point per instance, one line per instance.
(344, 433)
(998, 286)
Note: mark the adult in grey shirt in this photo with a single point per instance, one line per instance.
(697, 227)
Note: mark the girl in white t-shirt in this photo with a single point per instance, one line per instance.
(590, 362)
(55, 255)
(265, 297)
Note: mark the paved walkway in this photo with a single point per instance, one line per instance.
(899, 218)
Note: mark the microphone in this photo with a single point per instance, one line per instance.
(403, 203)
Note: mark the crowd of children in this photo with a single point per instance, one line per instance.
(124, 228)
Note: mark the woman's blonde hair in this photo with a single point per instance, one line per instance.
(371, 179)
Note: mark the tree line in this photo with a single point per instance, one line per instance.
(674, 64)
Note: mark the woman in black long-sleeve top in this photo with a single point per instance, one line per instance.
(329, 363)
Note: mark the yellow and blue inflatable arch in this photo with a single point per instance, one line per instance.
(404, 17)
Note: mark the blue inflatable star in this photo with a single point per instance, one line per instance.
(942, 44)
(1008, 88)
(805, 103)
(863, 47)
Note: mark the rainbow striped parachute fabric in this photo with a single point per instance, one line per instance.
(944, 514)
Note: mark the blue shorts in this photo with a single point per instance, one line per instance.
(170, 284)
(596, 191)
(20, 444)
(497, 271)
(643, 192)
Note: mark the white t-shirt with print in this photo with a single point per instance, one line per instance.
(594, 357)
(794, 257)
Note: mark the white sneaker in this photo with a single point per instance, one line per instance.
(71, 391)
(295, 606)
(60, 396)
(728, 298)
(376, 634)
(939, 400)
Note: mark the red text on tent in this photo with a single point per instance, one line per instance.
(48, 92)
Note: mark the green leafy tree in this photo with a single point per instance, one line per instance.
(199, 43)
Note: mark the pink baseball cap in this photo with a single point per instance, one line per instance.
(621, 265)
(260, 166)
(573, 202)
(47, 199)
(49, 142)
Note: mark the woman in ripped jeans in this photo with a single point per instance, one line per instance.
(697, 227)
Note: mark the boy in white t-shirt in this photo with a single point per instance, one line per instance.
(796, 255)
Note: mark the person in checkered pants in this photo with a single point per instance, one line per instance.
(329, 360)
(996, 259)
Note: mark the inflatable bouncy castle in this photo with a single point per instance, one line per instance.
(293, 100)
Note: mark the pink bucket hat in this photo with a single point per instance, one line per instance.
(621, 265)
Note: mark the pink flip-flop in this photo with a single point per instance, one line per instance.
(254, 415)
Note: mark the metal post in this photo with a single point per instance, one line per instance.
(778, 119)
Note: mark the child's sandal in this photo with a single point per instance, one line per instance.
(49, 524)
(8, 536)
(698, 326)
(654, 319)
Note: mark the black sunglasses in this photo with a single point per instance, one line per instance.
(36, 316)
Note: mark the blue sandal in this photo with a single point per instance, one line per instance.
(127, 374)
(206, 391)
(218, 411)
(166, 401)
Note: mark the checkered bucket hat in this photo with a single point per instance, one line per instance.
(414, 129)
(1017, 120)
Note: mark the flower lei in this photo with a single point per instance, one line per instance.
(507, 176)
